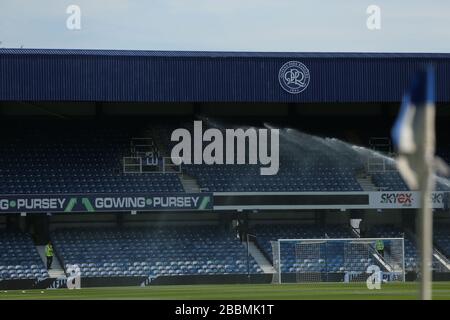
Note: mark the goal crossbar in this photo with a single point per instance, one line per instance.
(339, 239)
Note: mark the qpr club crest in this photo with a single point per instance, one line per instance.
(294, 77)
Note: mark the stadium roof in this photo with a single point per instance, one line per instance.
(141, 53)
(182, 76)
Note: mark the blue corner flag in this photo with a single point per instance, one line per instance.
(413, 133)
(414, 138)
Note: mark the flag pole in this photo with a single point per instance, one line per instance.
(426, 183)
(414, 137)
(426, 235)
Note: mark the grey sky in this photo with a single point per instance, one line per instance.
(229, 25)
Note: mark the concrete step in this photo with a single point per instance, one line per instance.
(189, 183)
(445, 264)
(259, 257)
(56, 271)
(366, 183)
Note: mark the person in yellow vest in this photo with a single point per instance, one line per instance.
(49, 255)
(379, 246)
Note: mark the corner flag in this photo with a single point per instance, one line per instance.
(413, 135)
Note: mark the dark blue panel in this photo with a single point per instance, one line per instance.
(106, 202)
(83, 75)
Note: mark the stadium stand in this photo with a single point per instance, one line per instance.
(303, 167)
(72, 157)
(19, 258)
(65, 137)
(392, 181)
(86, 157)
(292, 177)
(78, 157)
(152, 251)
(389, 181)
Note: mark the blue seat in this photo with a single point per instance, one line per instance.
(157, 251)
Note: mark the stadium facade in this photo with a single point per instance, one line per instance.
(91, 75)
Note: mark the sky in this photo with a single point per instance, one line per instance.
(228, 25)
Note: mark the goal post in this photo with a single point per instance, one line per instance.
(337, 260)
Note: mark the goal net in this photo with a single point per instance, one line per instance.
(338, 260)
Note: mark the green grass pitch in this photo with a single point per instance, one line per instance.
(344, 291)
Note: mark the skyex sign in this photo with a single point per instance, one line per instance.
(105, 202)
(404, 199)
